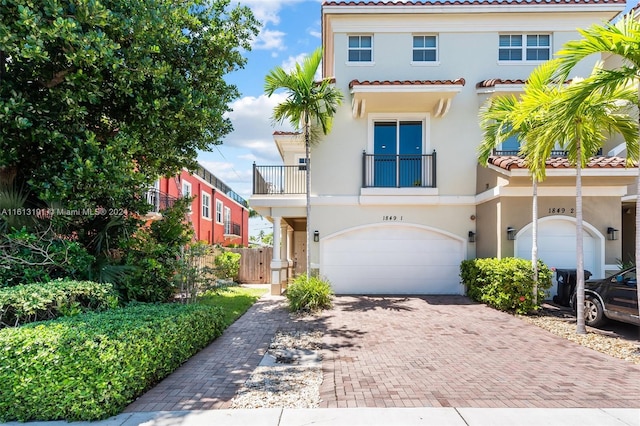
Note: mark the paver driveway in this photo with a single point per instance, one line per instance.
(409, 351)
(445, 351)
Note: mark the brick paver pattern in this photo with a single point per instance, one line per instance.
(434, 351)
(445, 351)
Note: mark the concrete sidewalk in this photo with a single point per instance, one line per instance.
(434, 416)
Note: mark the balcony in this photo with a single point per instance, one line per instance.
(279, 180)
(399, 171)
(159, 200)
(232, 230)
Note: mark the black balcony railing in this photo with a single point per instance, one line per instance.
(285, 180)
(159, 200)
(232, 228)
(398, 171)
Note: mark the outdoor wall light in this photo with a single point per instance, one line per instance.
(316, 236)
(472, 237)
(612, 233)
(511, 233)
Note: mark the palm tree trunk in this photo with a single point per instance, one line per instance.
(580, 325)
(307, 137)
(638, 233)
(534, 240)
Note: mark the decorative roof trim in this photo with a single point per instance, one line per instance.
(512, 163)
(405, 83)
(283, 133)
(436, 3)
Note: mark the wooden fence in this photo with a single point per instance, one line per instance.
(255, 264)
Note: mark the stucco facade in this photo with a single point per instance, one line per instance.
(398, 198)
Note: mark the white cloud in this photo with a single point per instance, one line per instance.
(291, 61)
(269, 40)
(253, 127)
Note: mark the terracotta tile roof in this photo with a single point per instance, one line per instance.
(282, 133)
(456, 82)
(509, 162)
(469, 2)
(496, 81)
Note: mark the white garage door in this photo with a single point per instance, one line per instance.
(392, 260)
(557, 246)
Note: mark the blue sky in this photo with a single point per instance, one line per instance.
(291, 30)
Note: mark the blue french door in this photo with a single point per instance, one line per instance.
(397, 153)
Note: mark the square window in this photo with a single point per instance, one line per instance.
(425, 48)
(360, 49)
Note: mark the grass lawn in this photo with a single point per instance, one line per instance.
(234, 301)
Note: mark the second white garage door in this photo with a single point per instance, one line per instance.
(393, 259)
(557, 246)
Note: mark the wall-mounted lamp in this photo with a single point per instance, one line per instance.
(612, 233)
(511, 233)
(472, 237)
(316, 236)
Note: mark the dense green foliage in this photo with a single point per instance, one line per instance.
(90, 366)
(44, 301)
(506, 284)
(308, 294)
(99, 98)
(227, 265)
(40, 256)
(154, 252)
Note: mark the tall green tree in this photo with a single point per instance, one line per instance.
(620, 39)
(505, 117)
(99, 98)
(581, 129)
(309, 107)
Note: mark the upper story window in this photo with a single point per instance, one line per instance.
(524, 47)
(425, 48)
(302, 164)
(219, 211)
(361, 48)
(186, 191)
(206, 205)
(227, 220)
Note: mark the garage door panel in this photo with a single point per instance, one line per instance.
(393, 260)
(557, 246)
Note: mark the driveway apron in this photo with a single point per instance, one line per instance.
(434, 351)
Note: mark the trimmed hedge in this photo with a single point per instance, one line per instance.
(45, 301)
(506, 284)
(91, 366)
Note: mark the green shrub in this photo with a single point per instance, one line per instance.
(505, 284)
(91, 366)
(154, 255)
(27, 257)
(36, 302)
(309, 294)
(227, 265)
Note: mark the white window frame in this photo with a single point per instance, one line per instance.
(435, 49)
(186, 192)
(377, 117)
(301, 162)
(206, 205)
(227, 220)
(524, 48)
(219, 207)
(359, 49)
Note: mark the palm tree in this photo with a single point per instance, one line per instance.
(505, 117)
(310, 107)
(581, 129)
(621, 39)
